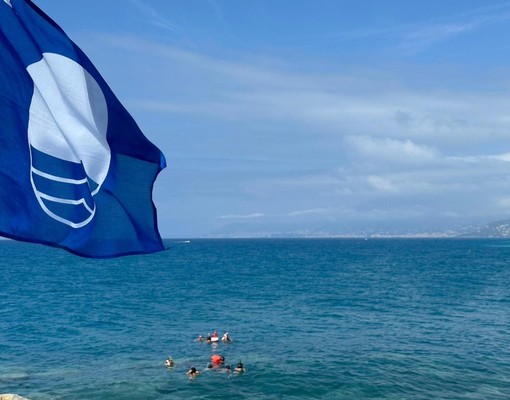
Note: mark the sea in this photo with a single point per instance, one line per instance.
(309, 319)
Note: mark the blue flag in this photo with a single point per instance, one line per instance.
(76, 171)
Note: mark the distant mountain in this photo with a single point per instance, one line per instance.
(497, 229)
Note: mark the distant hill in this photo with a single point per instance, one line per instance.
(497, 229)
(471, 229)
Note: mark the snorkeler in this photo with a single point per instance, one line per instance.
(225, 337)
(169, 362)
(192, 372)
(239, 367)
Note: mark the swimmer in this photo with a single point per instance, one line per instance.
(200, 338)
(213, 338)
(192, 372)
(239, 367)
(169, 362)
(227, 369)
(225, 337)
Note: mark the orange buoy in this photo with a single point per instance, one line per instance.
(216, 359)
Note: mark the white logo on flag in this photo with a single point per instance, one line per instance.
(68, 120)
(8, 3)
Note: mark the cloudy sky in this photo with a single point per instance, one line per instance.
(293, 116)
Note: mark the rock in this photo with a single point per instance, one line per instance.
(10, 396)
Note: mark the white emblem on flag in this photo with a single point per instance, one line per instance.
(8, 3)
(68, 120)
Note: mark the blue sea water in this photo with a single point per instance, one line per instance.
(310, 319)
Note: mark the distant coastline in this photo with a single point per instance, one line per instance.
(495, 230)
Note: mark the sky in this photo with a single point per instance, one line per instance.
(292, 117)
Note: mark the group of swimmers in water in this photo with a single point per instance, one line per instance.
(214, 338)
(217, 361)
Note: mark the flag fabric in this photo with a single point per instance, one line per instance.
(76, 172)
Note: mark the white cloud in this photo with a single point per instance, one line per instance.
(342, 104)
(504, 203)
(381, 183)
(391, 150)
(242, 216)
(420, 36)
(154, 17)
(423, 37)
(501, 157)
(482, 158)
(307, 212)
(436, 31)
(342, 146)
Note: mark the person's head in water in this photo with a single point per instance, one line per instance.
(239, 367)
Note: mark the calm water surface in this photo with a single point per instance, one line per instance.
(310, 319)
